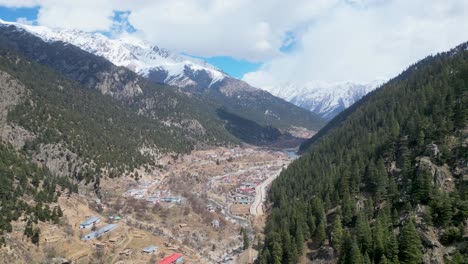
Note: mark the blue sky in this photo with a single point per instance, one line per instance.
(234, 67)
(12, 14)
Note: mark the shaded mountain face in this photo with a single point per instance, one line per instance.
(385, 180)
(188, 74)
(322, 98)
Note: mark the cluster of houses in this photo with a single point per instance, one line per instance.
(244, 193)
(153, 195)
(93, 221)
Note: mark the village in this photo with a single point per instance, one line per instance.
(217, 188)
(183, 209)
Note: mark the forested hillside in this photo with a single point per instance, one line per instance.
(28, 193)
(385, 181)
(99, 129)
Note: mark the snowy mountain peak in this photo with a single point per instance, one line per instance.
(324, 98)
(129, 51)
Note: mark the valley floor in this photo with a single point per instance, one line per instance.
(195, 205)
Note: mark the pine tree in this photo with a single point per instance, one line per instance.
(410, 247)
(277, 253)
(383, 260)
(367, 259)
(355, 255)
(299, 237)
(265, 256)
(392, 250)
(422, 186)
(321, 234)
(364, 235)
(245, 237)
(337, 234)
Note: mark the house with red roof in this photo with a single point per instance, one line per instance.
(175, 258)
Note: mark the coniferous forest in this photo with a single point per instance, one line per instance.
(21, 181)
(370, 184)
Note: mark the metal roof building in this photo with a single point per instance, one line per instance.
(175, 258)
(89, 222)
(100, 232)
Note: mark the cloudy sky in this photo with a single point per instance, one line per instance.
(272, 41)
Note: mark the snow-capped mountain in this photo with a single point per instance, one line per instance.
(92, 60)
(158, 64)
(325, 99)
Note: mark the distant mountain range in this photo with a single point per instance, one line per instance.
(323, 98)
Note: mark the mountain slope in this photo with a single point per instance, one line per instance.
(191, 75)
(384, 181)
(322, 98)
(196, 115)
(98, 134)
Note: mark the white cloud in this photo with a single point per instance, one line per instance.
(368, 40)
(244, 29)
(357, 40)
(19, 3)
(87, 15)
(25, 21)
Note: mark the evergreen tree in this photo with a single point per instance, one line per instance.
(392, 250)
(245, 237)
(363, 232)
(321, 234)
(337, 234)
(410, 247)
(277, 253)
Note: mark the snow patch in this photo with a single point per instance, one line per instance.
(129, 51)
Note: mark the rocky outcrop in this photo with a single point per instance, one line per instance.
(15, 135)
(11, 93)
(442, 176)
(59, 160)
(194, 127)
(231, 87)
(115, 84)
(324, 255)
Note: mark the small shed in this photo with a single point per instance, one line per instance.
(150, 249)
(90, 222)
(215, 223)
